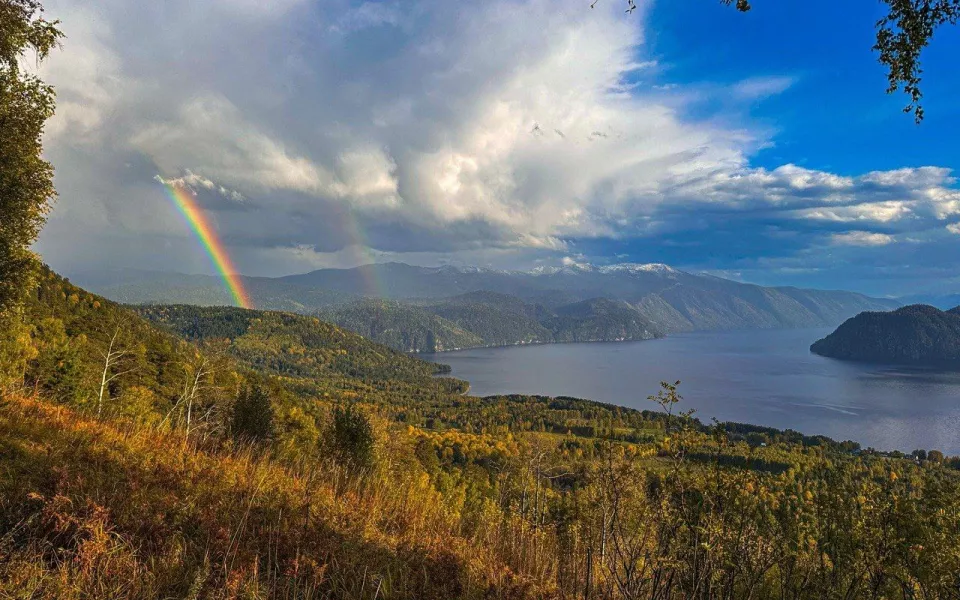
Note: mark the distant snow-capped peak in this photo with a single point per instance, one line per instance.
(468, 269)
(542, 270)
(575, 267)
(639, 268)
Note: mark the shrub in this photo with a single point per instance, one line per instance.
(252, 416)
(350, 438)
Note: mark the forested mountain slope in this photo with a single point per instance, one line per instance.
(916, 334)
(490, 319)
(600, 320)
(498, 319)
(78, 336)
(287, 344)
(74, 330)
(404, 327)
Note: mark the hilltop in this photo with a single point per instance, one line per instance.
(918, 334)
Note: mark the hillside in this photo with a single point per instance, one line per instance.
(916, 334)
(377, 480)
(489, 319)
(94, 509)
(288, 345)
(599, 320)
(72, 332)
(402, 326)
(496, 319)
(73, 329)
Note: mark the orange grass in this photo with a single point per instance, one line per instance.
(94, 509)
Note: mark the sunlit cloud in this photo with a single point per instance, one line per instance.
(861, 238)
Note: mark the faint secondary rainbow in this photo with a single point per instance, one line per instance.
(197, 220)
(360, 251)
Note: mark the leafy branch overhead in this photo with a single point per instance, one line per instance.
(902, 35)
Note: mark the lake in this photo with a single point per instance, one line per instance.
(762, 377)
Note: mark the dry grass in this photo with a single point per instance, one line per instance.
(92, 509)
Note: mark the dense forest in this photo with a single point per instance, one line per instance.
(489, 319)
(403, 327)
(916, 335)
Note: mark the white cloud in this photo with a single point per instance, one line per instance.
(861, 238)
(954, 228)
(211, 135)
(87, 76)
(194, 181)
(910, 177)
(756, 88)
(367, 177)
(879, 212)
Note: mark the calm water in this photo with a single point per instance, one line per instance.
(762, 377)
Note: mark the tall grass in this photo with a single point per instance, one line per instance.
(97, 509)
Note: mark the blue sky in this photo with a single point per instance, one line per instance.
(508, 133)
(835, 116)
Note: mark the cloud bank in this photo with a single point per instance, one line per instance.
(501, 132)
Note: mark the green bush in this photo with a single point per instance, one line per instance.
(350, 438)
(252, 416)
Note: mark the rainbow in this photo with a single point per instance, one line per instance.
(359, 251)
(187, 205)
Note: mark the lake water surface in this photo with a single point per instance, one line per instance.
(762, 377)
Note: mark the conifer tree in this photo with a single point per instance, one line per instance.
(351, 438)
(252, 416)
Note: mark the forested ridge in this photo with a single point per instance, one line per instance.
(403, 327)
(918, 334)
(489, 319)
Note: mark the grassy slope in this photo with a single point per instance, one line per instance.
(94, 509)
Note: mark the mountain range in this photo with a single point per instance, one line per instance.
(427, 309)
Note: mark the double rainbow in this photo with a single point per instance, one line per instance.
(187, 206)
